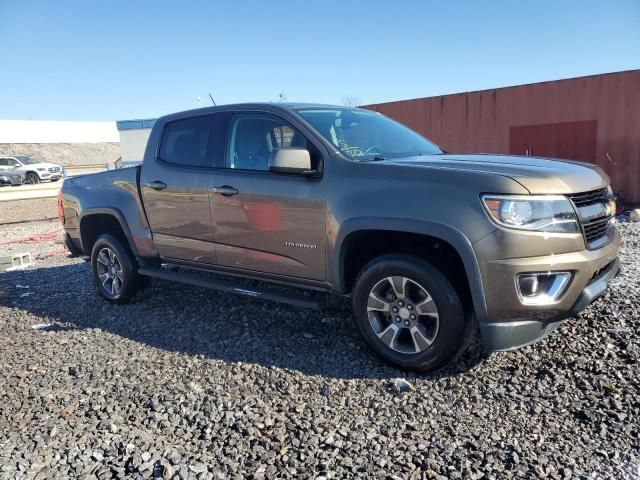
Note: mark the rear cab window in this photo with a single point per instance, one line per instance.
(184, 142)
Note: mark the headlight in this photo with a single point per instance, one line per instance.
(40, 169)
(542, 213)
(612, 208)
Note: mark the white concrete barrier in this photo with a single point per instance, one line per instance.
(25, 192)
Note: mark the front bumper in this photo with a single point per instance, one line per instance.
(509, 323)
(49, 176)
(501, 336)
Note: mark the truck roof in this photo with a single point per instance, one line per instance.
(249, 105)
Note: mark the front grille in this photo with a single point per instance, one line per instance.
(589, 198)
(594, 229)
(54, 169)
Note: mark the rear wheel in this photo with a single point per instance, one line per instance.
(32, 178)
(409, 313)
(113, 268)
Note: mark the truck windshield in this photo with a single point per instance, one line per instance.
(365, 135)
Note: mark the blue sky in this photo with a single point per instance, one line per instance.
(109, 60)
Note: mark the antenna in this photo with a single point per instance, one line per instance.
(212, 100)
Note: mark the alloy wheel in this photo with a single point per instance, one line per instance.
(32, 178)
(403, 314)
(109, 271)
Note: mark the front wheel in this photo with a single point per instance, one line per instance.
(113, 268)
(409, 313)
(32, 178)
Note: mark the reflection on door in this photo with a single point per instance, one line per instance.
(275, 224)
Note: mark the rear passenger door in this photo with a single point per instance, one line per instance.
(174, 184)
(264, 221)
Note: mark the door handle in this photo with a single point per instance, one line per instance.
(157, 185)
(225, 190)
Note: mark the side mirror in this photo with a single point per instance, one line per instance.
(291, 160)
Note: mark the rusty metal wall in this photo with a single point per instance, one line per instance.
(482, 121)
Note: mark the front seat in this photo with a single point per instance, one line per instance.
(252, 149)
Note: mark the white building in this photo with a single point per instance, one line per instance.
(67, 143)
(45, 131)
(134, 135)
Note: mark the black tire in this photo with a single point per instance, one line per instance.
(129, 281)
(32, 178)
(453, 331)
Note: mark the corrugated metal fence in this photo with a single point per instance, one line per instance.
(594, 119)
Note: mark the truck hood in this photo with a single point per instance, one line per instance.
(537, 174)
(45, 165)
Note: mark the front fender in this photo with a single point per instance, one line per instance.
(445, 233)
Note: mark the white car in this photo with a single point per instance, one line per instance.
(32, 170)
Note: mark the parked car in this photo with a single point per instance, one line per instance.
(427, 246)
(9, 178)
(31, 169)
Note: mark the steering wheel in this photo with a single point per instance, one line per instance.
(372, 151)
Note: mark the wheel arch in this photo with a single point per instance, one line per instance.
(354, 230)
(34, 172)
(96, 221)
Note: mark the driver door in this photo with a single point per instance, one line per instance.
(265, 221)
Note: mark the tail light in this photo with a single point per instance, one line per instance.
(60, 208)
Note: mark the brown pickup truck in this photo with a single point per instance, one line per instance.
(431, 248)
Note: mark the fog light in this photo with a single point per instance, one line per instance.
(544, 288)
(529, 285)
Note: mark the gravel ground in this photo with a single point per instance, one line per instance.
(28, 210)
(190, 383)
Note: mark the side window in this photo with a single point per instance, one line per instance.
(184, 142)
(253, 137)
(4, 162)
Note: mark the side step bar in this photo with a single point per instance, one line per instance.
(230, 286)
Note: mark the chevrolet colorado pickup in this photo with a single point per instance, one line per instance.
(430, 248)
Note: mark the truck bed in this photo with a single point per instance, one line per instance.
(114, 192)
